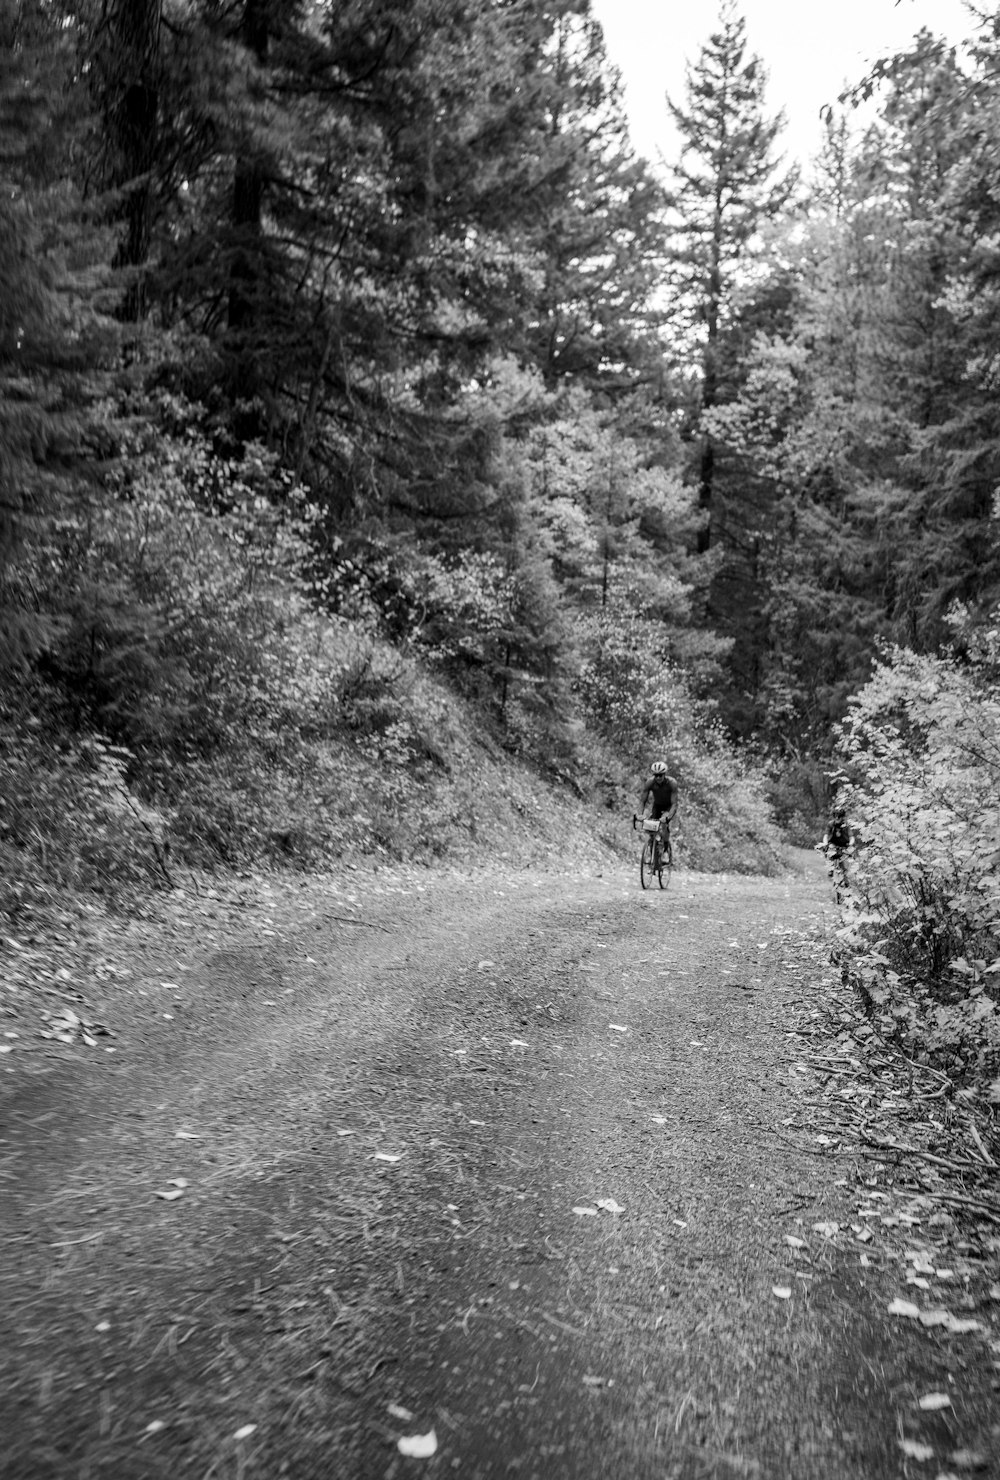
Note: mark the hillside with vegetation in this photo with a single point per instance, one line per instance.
(392, 463)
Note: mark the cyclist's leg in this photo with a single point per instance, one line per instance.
(656, 815)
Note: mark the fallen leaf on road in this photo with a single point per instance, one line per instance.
(617, 1028)
(103, 1326)
(403, 1414)
(961, 1325)
(662, 1120)
(826, 1230)
(969, 1459)
(155, 1426)
(171, 1194)
(609, 1205)
(904, 1308)
(245, 1431)
(485, 965)
(418, 1446)
(345, 1133)
(594, 1381)
(958, 1325)
(518, 1043)
(795, 1243)
(186, 1136)
(913, 1449)
(585, 1212)
(783, 1292)
(931, 1402)
(387, 1156)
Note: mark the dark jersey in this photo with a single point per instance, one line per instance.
(839, 835)
(662, 792)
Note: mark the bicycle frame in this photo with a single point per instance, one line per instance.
(657, 853)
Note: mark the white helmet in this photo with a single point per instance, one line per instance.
(659, 768)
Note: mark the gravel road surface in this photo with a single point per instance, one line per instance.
(505, 1167)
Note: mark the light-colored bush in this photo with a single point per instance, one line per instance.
(921, 934)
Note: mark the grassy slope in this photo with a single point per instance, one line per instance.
(455, 791)
(407, 772)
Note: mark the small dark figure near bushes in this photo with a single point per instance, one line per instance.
(837, 844)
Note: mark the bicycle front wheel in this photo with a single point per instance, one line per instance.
(646, 861)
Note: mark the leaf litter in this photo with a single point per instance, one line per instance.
(856, 1097)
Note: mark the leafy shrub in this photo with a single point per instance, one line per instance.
(921, 936)
(798, 794)
(627, 681)
(164, 589)
(644, 703)
(69, 820)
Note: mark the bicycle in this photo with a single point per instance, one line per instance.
(657, 857)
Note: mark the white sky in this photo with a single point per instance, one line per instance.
(809, 50)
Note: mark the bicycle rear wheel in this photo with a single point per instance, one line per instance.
(646, 869)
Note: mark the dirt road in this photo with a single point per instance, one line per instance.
(509, 1166)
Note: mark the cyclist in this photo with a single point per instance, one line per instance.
(838, 843)
(661, 791)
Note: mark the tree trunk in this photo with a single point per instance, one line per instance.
(248, 199)
(710, 378)
(132, 111)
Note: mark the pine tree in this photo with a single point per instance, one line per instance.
(726, 187)
(598, 213)
(55, 343)
(939, 338)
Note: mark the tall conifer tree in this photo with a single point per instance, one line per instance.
(726, 186)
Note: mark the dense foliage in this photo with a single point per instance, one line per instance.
(921, 939)
(359, 386)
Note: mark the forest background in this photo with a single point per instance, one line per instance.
(389, 459)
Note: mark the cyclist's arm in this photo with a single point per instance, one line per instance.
(672, 809)
(645, 797)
